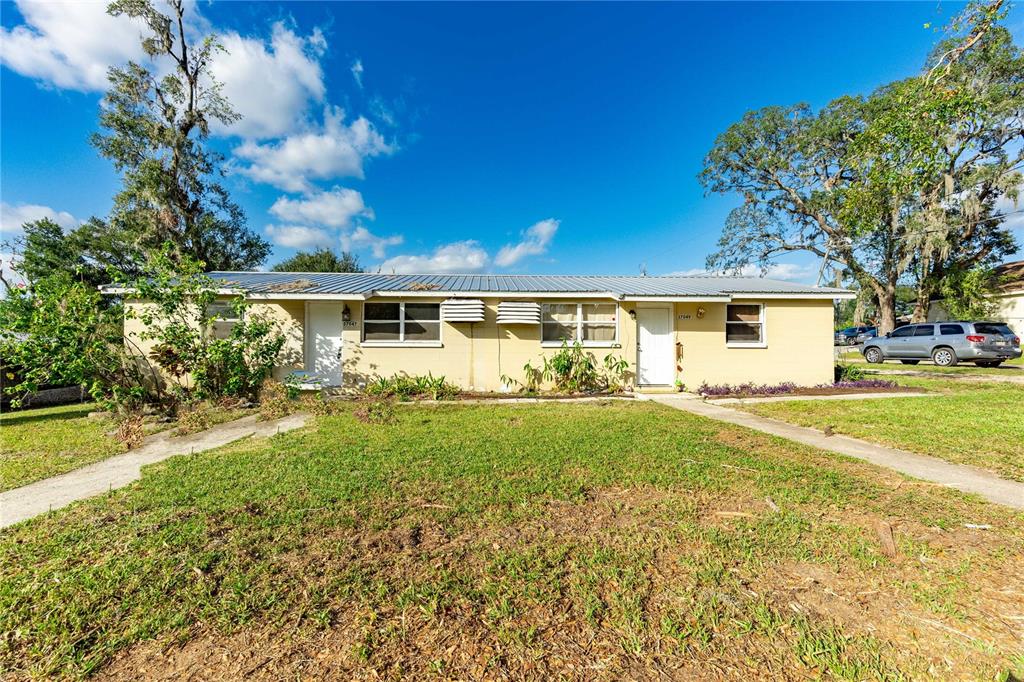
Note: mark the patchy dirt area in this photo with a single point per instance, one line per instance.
(621, 583)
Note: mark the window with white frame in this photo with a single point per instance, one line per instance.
(744, 324)
(223, 316)
(402, 322)
(589, 323)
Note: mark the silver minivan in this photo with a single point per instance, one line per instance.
(986, 344)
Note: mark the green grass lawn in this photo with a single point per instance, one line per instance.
(47, 441)
(978, 423)
(39, 443)
(571, 541)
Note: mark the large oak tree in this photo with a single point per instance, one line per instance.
(897, 187)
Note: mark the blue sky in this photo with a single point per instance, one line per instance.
(539, 138)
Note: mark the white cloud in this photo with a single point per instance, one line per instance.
(270, 85)
(363, 238)
(335, 150)
(357, 72)
(535, 242)
(466, 256)
(334, 208)
(1014, 212)
(785, 271)
(69, 44)
(13, 217)
(7, 271)
(298, 236)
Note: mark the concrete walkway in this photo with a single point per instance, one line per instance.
(797, 396)
(116, 472)
(966, 478)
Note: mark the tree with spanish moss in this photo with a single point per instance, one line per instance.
(156, 126)
(899, 187)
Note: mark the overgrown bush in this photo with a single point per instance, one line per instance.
(60, 332)
(406, 387)
(572, 370)
(178, 317)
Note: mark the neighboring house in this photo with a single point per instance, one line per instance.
(1009, 298)
(345, 329)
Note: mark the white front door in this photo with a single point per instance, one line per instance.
(655, 361)
(323, 342)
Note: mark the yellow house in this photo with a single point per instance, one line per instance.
(344, 329)
(1008, 298)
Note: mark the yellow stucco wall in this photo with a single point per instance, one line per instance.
(291, 316)
(475, 356)
(798, 348)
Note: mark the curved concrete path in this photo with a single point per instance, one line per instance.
(116, 472)
(966, 478)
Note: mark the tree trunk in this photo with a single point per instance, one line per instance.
(886, 308)
(920, 311)
(858, 310)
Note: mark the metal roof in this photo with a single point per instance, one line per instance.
(364, 285)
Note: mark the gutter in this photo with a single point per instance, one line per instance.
(606, 295)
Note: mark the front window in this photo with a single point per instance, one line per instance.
(402, 322)
(589, 323)
(903, 331)
(223, 316)
(744, 324)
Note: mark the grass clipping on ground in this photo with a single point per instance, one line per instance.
(585, 541)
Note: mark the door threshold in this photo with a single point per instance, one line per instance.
(657, 388)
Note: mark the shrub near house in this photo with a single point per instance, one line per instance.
(488, 333)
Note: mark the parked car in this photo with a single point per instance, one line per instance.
(865, 336)
(986, 344)
(848, 336)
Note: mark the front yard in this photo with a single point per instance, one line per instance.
(578, 541)
(44, 442)
(969, 422)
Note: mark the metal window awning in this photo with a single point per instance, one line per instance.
(462, 310)
(518, 312)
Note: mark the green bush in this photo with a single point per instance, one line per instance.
(572, 370)
(60, 332)
(179, 320)
(848, 373)
(406, 387)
